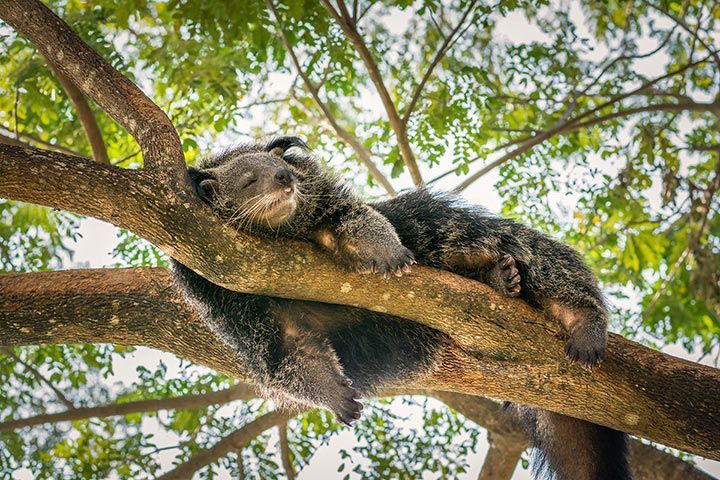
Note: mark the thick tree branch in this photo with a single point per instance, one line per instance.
(501, 459)
(96, 78)
(241, 391)
(636, 389)
(229, 444)
(345, 21)
(140, 307)
(85, 116)
(360, 150)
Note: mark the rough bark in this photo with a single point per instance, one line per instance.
(141, 307)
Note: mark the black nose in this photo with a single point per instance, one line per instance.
(284, 177)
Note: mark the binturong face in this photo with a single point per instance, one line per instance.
(250, 186)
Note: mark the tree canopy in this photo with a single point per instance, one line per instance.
(597, 121)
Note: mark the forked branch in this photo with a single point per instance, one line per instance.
(360, 150)
(349, 27)
(97, 79)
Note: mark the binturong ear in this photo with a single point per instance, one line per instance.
(209, 188)
(278, 151)
(206, 185)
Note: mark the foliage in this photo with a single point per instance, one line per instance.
(631, 191)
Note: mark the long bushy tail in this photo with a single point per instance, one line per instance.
(566, 448)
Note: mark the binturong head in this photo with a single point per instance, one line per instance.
(252, 186)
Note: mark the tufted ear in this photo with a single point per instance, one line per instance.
(282, 144)
(277, 151)
(209, 188)
(205, 183)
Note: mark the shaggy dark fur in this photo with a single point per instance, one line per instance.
(314, 354)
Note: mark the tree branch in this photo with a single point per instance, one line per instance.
(345, 21)
(360, 150)
(527, 143)
(442, 51)
(501, 459)
(12, 141)
(575, 126)
(636, 389)
(285, 453)
(36, 373)
(85, 115)
(96, 78)
(240, 391)
(682, 24)
(231, 443)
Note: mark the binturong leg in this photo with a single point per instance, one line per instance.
(309, 371)
(503, 276)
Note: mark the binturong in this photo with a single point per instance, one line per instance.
(310, 354)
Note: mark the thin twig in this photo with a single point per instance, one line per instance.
(285, 452)
(692, 243)
(16, 130)
(36, 373)
(344, 19)
(240, 391)
(441, 52)
(686, 27)
(230, 443)
(360, 150)
(35, 139)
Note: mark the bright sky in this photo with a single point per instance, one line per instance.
(99, 238)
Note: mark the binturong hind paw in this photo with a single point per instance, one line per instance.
(504, 276)
(588, 333)
(586, 347)
(344, 403)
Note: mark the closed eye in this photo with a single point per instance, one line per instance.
(249, 182)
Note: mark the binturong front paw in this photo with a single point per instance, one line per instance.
(386, 259)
